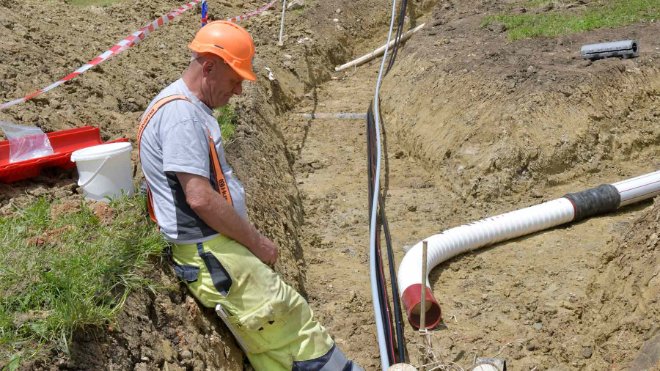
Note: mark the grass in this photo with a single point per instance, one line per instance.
(61, 274)
(606, 14)
(227, 120)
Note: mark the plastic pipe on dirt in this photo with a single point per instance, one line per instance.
(639, 188)
(338, 116)
(624, 48)
(280, 42)
(374, 54)
(455, 241)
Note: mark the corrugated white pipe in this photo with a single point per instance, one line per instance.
(464, 238)
(458, 240)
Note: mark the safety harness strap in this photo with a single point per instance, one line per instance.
(221, 183)
(216, 168)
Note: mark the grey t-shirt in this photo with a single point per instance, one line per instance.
(176, 141)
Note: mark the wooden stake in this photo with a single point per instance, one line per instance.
(422, 309)
(428, 355)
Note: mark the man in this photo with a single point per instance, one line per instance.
(199, 206)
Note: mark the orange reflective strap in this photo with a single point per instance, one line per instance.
(221, 183)
(143, 125)
(150, 206)
(150, 114)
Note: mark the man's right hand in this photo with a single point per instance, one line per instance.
(266, 251)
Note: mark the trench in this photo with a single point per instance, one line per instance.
(487, 297)
(530, 300)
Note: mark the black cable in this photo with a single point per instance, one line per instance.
(385, 308)
(398, 318)
(370, 157)
(395, 326)
(381, 284)
(399, 31)
(388, 238)
(380, 277)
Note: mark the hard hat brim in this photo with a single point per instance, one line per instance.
(247, 75)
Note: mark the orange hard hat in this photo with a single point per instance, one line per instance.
(228, 41)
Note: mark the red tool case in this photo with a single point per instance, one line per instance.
(64, 142)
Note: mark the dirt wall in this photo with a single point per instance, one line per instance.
(505, 118)
(625, 297)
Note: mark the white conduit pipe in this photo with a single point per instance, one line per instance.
(638, 189)
(374, 54)
(280, 42)
(455, 241)
(380, 330)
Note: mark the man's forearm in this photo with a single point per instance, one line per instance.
(221, 216)
(218, 214)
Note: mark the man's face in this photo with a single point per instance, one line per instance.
(220, 82)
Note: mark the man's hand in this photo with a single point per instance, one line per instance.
(266, 251)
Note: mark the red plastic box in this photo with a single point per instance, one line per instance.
(64, 142)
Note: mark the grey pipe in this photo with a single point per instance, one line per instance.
(339, 116)
(625, 49)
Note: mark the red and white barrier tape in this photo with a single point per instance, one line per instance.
(126, 43)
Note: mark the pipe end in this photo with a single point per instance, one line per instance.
(412, 300)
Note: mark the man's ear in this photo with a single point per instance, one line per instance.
(207, 66)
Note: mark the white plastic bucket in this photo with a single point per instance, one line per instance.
(104, 171)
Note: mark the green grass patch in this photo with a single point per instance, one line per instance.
(603, 14)
(59, 274)
(227, 120)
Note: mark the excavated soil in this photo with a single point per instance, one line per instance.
(475, 125)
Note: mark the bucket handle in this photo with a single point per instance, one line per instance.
(98, 170)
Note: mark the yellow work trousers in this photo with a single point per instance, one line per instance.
(270, 319)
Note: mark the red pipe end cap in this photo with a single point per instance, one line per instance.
(412, 299)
